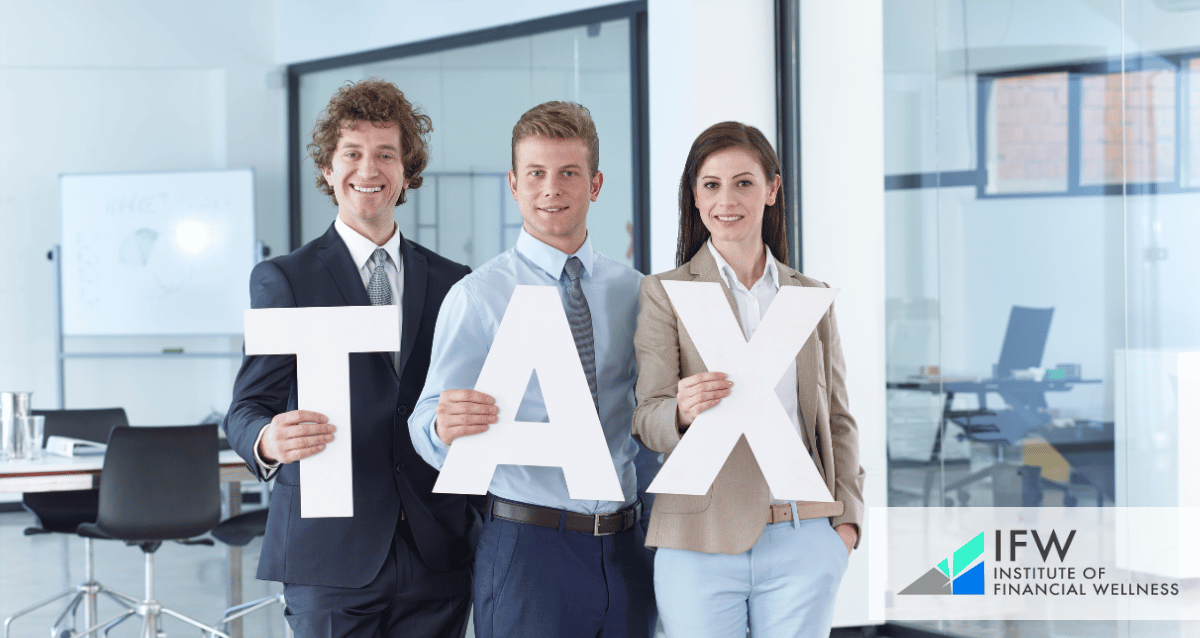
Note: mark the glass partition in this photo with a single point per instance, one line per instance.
(1041, 216)
(1042, 211)
(474, 95)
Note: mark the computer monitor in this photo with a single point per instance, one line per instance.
(1024, 341)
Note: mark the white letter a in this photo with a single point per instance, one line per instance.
(534, 335)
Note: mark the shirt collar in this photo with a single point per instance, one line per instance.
(362, 248)
(770, 273)
(551, 259)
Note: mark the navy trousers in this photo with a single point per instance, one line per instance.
(405, 599)
(538, 581)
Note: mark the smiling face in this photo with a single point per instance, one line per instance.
(731, 193)
(551, 186)
(367, 176)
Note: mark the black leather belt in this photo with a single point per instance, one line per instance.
(594, 524)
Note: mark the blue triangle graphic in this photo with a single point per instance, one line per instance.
(971, 582)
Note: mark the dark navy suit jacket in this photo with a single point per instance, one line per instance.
(388, 473)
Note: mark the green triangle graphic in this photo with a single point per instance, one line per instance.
(965, 555)
(944, 566)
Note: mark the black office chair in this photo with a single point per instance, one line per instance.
(63, 512)
(239, 531)
(157, 484)
(1024, 346)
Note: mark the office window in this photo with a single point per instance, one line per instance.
(1030, 134)
(475, 88)
(1141, 138)
(1083, 129)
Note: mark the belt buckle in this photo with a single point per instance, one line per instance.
(596, 526)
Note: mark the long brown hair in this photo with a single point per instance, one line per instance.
(718, 137)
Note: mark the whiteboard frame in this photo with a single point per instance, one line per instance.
(254, 247)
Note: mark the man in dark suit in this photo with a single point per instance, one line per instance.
(400, 565)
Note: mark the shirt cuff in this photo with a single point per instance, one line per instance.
(440, 449)
(265, 470)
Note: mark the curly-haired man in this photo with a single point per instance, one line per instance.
(400, 565)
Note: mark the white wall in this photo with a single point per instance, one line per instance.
(708, 64)
(841, 119)
(314, 29)
(126, 85)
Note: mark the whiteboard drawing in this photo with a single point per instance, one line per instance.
(136, 247)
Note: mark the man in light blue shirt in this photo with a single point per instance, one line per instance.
(547, 564)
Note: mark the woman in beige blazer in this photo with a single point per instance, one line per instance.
(736, 557)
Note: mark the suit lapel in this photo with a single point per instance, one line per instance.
(336, 258)
(807, 364)
(416, 280)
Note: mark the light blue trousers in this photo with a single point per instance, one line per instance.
(782, 587)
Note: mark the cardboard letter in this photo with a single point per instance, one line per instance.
(752, 408)
(534, 335)
(322, 340)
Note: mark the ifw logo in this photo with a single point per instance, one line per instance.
(955, 575)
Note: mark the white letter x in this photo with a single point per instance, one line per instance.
(752, 409)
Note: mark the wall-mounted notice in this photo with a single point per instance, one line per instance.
(157, 253)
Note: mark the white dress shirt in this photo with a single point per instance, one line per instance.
(752, 306)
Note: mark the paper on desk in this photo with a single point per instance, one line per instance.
(322, 340)
(534, 335)
(752, 408)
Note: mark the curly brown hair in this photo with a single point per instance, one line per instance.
(719, 137)
(380, 102)
(561, 120)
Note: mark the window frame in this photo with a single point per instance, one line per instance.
(1178, 62)
(634, 12)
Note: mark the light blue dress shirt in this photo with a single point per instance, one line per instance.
(466, 326)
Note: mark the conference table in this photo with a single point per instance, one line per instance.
(53, 473)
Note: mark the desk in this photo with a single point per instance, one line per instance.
(54, 473)
(1027, 412)
(1004, 387)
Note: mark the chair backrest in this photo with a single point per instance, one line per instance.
(89, 425)
(1025, 340)
(160, 483)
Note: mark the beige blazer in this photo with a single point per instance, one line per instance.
(732, 515)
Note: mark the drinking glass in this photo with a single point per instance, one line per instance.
(32, 432)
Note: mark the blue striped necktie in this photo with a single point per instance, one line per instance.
(579, 316)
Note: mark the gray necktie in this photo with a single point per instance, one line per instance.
(580, 318)
(378, 288)
(379, 291)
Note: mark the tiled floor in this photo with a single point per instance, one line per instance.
(189, 579)
(192, 580)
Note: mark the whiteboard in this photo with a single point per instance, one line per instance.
(156, 253)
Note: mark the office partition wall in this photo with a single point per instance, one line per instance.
(1041, 157)
(474, 87)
